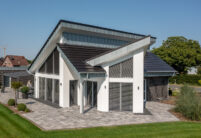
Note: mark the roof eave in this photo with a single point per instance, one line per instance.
(118, 53)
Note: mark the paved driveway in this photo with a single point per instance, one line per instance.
(49, 118)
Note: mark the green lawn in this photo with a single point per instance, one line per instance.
(12, 125)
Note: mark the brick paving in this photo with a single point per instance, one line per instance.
(51, 118)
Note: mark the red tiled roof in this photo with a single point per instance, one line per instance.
(17, 60)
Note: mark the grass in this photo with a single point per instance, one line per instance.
(12, 125)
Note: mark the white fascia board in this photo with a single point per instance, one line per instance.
(121, 52)
(101, 31)
(70, 65)
(51, 76)
(46, 51)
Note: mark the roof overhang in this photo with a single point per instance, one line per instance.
(121, 52)
(159, 74)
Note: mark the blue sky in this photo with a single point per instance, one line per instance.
(25, 24)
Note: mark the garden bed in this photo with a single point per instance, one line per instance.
(171, 100)
(14, 109)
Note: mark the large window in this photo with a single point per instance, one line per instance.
(73, 38)
(51, 65)
(122, 70)
(49, 89)
(56, 91)
(42, 88)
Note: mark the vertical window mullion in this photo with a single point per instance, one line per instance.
(120, 70)
(53, 63)
(120, 96)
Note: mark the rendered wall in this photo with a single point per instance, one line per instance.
(65, 77)
(138, 81)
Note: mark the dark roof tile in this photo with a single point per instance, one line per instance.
(152, 63)
(79, 54)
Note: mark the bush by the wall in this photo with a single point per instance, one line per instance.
(185, 79)
(188, 103)
(24, 89)
(21, 107)
(11, 102)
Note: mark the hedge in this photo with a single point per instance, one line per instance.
(185, 79)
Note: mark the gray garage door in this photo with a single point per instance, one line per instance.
(121, 96)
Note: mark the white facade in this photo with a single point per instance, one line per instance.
(67, 73)
(103, 84)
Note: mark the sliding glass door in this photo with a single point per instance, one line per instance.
(49, 90)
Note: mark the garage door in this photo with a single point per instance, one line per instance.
(121, 96)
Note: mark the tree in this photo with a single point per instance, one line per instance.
(29, 61)
(16, 85)
(180, 53)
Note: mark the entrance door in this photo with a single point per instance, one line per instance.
(73, 92)
(91, 93)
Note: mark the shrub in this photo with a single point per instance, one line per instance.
(199, 82)
(185, 79)
(189, 103)
(21, 107)
(16, 85)
(175, 93)
(199, 70)
(27, 110)
(24, 89)
(11, 102)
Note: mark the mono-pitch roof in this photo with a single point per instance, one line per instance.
(61, 24)
(78, 55)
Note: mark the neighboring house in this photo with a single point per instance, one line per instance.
(11, 64)
(22, 76)
(192, 70)
(6, 80)
(86, 65)
(14, 61)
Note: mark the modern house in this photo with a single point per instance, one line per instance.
(86, 65)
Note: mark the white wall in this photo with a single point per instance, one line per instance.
(103, 84)
(103, 91)
(65, 77)
(36, 86)
(138, 81)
